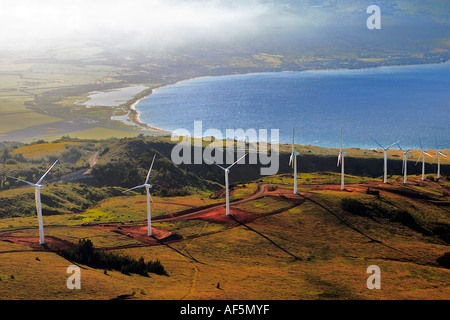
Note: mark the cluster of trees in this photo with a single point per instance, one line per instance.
(84, 252)
(6, 157)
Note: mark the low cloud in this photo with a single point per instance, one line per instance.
(155, 22)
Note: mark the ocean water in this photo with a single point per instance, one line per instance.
(406, 103)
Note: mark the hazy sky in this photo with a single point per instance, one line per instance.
(159, 21)
(174, 23)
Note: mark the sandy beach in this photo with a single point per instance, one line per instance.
(133, 115)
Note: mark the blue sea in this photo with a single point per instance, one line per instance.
(406, 103)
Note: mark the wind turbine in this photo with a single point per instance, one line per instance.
(147, 188)
(385, 158)
(294, 162)
(341, 160)
(227, 170)
(405, 163)
(439, 153)
(422, 155)
(37, 194)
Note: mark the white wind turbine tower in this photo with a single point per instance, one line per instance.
(293, 161)
(37, 194)
(227, 170)
(341, 160)
(422, 155)
(439, 153)
(405, 163)
(147, 188)
(385, 158)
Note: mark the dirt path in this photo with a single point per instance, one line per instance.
(84, 173)
(214, 213)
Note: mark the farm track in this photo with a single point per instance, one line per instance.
(213, 213)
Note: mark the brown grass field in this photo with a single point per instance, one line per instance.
(275, 246)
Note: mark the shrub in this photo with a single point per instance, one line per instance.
(444, 260)
(354, 206)
(84, 252)
(376, 209)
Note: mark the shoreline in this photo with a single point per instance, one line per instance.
(133, 114)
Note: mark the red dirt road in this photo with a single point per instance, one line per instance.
(214, 214)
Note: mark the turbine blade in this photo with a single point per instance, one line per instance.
(32, 184)
(420, 141)
(419, 159)
(339, 159)
(400, 148)
(219, 166)
(392, 144)
(237, 161)
(42, 178)
(210, 162)
(341, 141)
(377, 143)
(293, 139)
(290, 158)
(141, 186)
(150, 170)
(432, 162)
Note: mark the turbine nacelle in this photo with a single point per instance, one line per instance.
(438, 155)
(422, 155)
(227, 170)
(341, 154)
(385, 148)
(341, 161)
(295, 154)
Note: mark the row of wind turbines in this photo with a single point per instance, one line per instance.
(292, 161)
(423, 153)
(146, 185)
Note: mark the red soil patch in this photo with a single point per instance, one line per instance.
(51, 243)
(141, 233)
(214, 214)
(218, 215)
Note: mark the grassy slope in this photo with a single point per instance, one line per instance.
(247, 264)
(333, 264)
